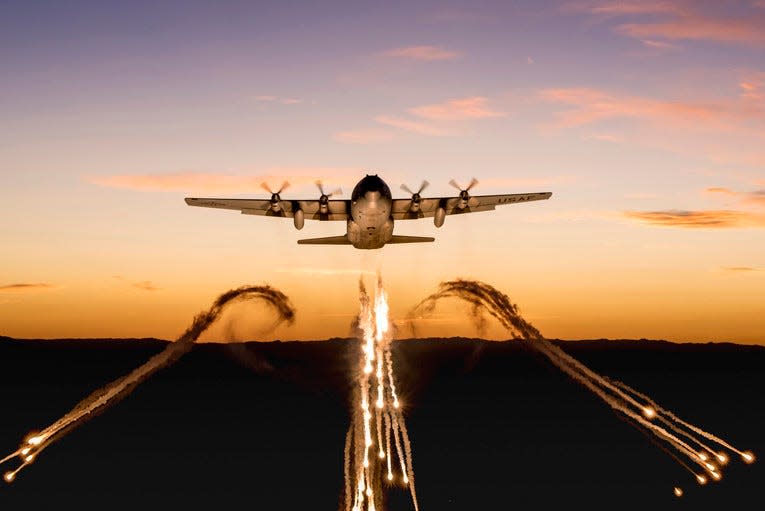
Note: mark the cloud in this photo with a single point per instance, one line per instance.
(442, 119)
(144, 285)
(704, 219)
(752, 87)
(754, 198)
(605, 137)
(278, 99)
(592, 105)
(674, 20)
(370, 136)
(207, 182)
(420, 128)
(728, 130)
(748, 31)
(25, 287)
(742, 269)
(423, 53)
(659, 45)
(474, 107)
(623, 8)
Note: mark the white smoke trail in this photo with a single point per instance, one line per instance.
(617, 395)
(376, 360)
(347, 467)
(410, 469)
(115, 391)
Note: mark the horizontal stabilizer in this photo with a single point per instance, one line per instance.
(330, 240)
(411, 239)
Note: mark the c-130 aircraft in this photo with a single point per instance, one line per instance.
(371, 210)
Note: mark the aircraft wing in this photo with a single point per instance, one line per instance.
(337, 209)
(402, 208)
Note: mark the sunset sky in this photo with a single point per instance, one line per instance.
(645, 119)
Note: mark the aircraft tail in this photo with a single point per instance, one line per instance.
(330, 240)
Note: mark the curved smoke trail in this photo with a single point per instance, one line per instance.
(112, 393)
(484, 298)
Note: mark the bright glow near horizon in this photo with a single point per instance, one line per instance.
(646, 120)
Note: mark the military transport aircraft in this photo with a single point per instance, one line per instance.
(371, 210)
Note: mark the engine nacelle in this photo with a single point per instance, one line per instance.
(299, 219)
(439, 217)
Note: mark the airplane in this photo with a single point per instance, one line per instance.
(370, 212)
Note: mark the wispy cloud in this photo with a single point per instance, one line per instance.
(25, 287)
(755, 198)
(712, 219)
(421, 128)
(448, 118)
(278, 99)
(605, 137)
(659, 45)
(143, 285)
(726, 129)
(675, 20)
(146, 285)
(742, 269)
(592, 105)
(370, 136)
(460, 109)
(621, 8)
(752, 87)
(207, 182)
(700, 28)
(423, 53)
(703, 219)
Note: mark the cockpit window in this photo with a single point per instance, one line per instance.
(370, 184)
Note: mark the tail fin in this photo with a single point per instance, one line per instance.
(411, 239)
(331, 240)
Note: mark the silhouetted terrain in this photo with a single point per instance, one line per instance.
(262, 425)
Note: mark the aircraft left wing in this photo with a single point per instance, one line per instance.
(402, 208)
(336, 209)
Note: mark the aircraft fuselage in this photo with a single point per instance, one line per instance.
(371, 224)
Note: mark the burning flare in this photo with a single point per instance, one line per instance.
(375, 378)
(689, 442)
(107, 396)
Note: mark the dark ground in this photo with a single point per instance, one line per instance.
(493, 426)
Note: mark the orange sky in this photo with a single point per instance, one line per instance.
(646, 120)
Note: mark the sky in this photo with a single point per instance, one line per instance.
(645, 119)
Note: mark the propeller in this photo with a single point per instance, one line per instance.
(415, 203)
(464, 192)
(324, 199)
(275, 197)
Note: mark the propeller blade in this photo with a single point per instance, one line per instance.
(285, 185)
(321, 187)
(267, 188)
(424, 185)
(407, 190)
(336, 191)
(455, 185)
(473, 182)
